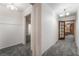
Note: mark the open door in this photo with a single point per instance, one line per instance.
(72, 28)
(61, 30)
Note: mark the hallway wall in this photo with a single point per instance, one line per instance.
(77, 31)
(11, 32)
(49, 27)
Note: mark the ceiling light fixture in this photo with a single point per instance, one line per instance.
(65, 14)
(61, 15)
(11, 6)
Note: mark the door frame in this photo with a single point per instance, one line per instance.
(27, 27)
(35, 11)
(59, 30)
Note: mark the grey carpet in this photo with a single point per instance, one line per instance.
(65, 47)
(17, 50)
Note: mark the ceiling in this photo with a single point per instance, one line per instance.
(20, 6)
(58, 8)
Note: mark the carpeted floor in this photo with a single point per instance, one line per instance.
(17, 50)
(65, 47)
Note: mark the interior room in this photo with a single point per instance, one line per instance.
(12, 29)
(39, 29)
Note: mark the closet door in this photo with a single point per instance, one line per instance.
(61, 30)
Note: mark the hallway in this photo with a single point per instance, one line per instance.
(65, 47)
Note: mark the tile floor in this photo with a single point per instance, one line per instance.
(65, 47)
(17, 50)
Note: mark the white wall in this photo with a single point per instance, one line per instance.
(49, 27)
(36, 29)
(77, 31)
(11, 31)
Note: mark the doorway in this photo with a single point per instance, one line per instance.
(67, 36)
(28, 31)
(69, 27)
(66, 28)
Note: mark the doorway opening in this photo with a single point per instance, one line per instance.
(28, 31)
(66, 28)
(70, 29)
(67, 34)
